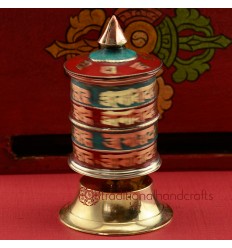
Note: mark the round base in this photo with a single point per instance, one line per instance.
(122, 207)
(104, 228)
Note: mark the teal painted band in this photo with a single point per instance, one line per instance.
(115, 142)
(118, 54)
(113, 96)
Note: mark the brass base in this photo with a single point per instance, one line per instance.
(105, 207)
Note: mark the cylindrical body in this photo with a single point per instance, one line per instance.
(114, 112)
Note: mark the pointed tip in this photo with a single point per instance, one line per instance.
(114, 17)
(113, 35)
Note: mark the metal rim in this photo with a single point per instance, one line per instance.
(115, 174)
(166, 212)
(152, 72)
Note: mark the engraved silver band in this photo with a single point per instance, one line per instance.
(115, 174)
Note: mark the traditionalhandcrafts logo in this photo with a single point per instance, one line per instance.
(90, 197)
(147, 30)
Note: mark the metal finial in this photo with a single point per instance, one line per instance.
(113, 35)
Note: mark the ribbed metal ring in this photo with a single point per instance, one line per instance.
(115, 174)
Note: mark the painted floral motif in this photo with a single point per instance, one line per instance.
(170, 43)
(147, 30)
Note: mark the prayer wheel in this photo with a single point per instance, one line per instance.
(114, 120)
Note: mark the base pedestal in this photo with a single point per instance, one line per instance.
(122, 207)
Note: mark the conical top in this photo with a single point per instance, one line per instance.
(113, 35)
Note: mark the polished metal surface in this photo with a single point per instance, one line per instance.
(113, 35)
(115, 174)
(116, 207)
(112, 43)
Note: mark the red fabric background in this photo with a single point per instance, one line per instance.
(30, 205)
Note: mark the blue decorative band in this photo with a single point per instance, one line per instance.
(114, 96)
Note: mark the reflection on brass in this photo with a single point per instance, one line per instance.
(120, 208)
